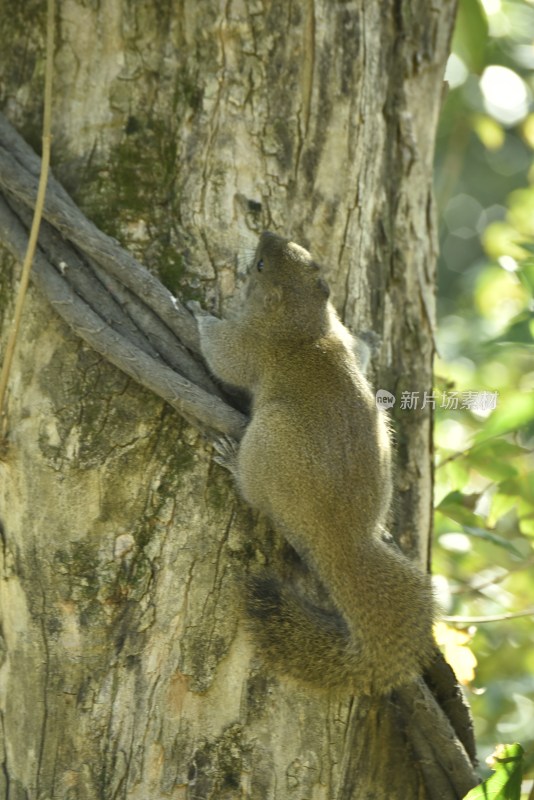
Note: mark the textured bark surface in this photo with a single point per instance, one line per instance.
(182, 129)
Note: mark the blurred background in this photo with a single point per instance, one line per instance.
(484, 374)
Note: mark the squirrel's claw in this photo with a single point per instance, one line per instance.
(226, 450)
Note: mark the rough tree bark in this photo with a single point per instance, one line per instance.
(183, 129)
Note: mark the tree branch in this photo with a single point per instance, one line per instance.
(528, 612)
(209, 411)
(18, 178)
(440, 754)
(115, 304)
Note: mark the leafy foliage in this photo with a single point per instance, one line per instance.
(505, 783)
(484, 554)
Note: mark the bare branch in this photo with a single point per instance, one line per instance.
(115, 304)
(528, 612)
(17, 177)
(209, 411)
(442, 757)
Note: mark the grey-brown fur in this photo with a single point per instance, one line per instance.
(316, 459)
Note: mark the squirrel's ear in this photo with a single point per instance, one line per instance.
(323, 287)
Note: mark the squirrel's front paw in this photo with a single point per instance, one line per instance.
(226, 450)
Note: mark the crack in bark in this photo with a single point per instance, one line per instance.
(308, 68)
(5, 765)
(46, 689)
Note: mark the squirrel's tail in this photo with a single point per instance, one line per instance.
(315, 646)
(297, 637)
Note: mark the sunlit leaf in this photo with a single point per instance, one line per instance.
(526, 525)
(500, 295)
(505, 783)
(519, 331)
(502, 239)
(455, 646)
(457, 473)
(489, 131)
(520, 493)
(511, 415)
(520, 486)
(501, 504)
(471, 35)
(521, 212)
(525, 272)
(527, 129)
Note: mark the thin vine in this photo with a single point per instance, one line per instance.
(38, 213)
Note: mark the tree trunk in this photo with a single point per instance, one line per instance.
(183, 129)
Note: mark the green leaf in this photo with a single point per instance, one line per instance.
(501, 448)
(512, 413)
(526, 526)
(521, 487)
(501, 504)
(517, 332)
(505, 783)
(516, 493)
(492, 467)
(458, 507)
(471, 35)
(528, 246)
(494, 538)
(525, 273)
(456, 472)
(492, 459)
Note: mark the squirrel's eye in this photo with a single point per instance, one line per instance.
(259, 265)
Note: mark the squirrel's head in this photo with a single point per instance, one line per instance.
(285, 281)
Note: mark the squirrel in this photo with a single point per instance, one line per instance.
(316, 458)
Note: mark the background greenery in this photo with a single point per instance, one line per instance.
(484, 524)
